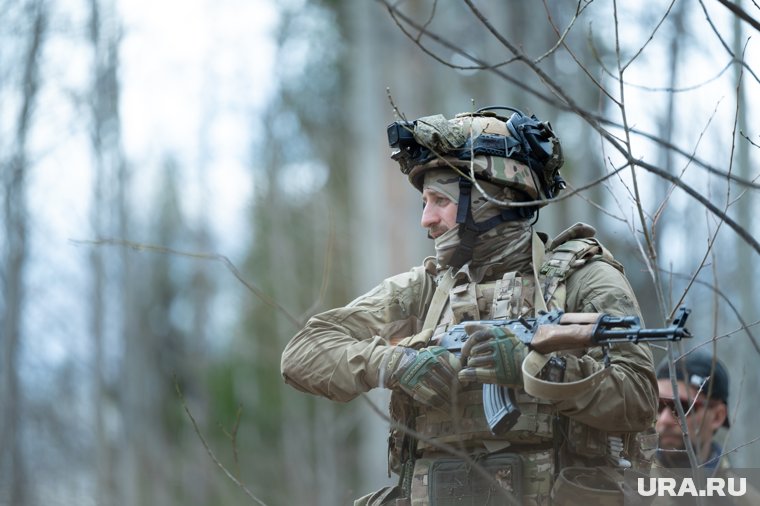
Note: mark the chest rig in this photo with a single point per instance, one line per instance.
(511, 295)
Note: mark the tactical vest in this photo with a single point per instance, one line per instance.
(544, 440)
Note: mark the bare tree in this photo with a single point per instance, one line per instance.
(105, 138)
(15, 173)
(16, 214)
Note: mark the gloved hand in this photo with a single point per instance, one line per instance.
(429, 375)
(492, 355)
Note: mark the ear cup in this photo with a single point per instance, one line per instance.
(538, 141)
(532, 134)
(540, 145)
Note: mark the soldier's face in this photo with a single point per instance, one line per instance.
(702, 418)
(439, 213)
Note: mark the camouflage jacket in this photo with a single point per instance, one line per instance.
(338, 354)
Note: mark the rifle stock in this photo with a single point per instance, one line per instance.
(555, 331)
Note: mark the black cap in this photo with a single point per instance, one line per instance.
(700, 370)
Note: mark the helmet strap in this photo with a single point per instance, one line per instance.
(469, 230)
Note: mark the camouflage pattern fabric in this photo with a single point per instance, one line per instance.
(439, 134)
(384, 497)
(450, 481)
(484, 195)
(442, 181)
(465, 423)
(515, 177)
(504, 248)
(522, 479)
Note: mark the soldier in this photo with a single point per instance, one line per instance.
(581, 410)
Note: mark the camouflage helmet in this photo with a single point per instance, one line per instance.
(519, 152)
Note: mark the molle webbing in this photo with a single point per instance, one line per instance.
(466, 421)
(566, 258)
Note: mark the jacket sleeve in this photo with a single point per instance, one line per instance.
(338, 354)
(626, 399)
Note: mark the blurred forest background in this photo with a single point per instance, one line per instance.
(185, 183)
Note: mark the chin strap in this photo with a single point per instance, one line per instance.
(469, 230)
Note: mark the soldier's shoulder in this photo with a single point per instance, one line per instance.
(577, 231)
(574, 249)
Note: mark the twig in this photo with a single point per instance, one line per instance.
(201, 256)
(670, 89)
(741, 14)
(744, 325)
(723, 42)
(751, 441)
(326, 267)
(651, 36)
(232, 436)
(210, 451)
(746, 137)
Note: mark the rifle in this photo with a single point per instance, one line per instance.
(554, 331)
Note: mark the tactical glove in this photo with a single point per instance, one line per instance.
(492, 355)
(429, 375)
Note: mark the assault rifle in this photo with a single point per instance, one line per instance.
(554, 331)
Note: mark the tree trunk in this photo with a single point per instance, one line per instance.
(107, 156)
(16, 229)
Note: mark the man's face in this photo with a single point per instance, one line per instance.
(702, 418)
(439, 213)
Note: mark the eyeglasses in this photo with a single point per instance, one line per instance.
(685, 405)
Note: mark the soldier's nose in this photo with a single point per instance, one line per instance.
(430, 217)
